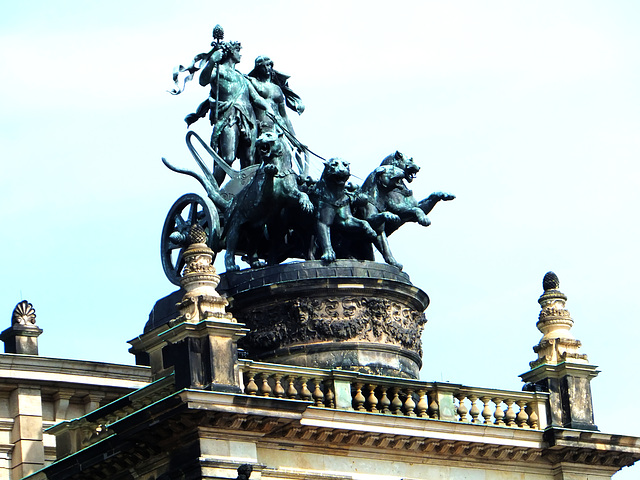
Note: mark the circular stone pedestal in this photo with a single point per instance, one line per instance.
(353, 315)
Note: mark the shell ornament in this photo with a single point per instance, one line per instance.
(24, 314)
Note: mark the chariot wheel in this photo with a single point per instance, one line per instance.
(185, 212)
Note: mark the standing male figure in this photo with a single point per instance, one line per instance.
(231, 105)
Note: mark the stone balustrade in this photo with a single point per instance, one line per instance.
(297, 383)
(397, 396)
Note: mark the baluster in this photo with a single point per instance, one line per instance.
(434, 408)
(486, 411)
(462, 408)
(318, 396)
(265, 388)
(510, 415)
(278, 390)
(329, 394)
(533, 416)
(423, 403)
(409, 404)
(251, 387)
(475, 411)
(292, 393)
(358, 398)
(384, 401)
(522, 417)
(499, 413)
(396, 403)
(372, 400)
(305, 394)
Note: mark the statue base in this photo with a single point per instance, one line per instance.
(352, 315)
(364, 357)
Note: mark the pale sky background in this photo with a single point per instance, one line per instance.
(529, 112)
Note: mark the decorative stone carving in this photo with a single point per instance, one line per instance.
(561, 369)
(199, 346)
(351, 315)
(22, 336)
(334, 319)
(557, 345)
(24, 314)
(199, 278)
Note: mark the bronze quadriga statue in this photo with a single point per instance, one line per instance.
(270, 211)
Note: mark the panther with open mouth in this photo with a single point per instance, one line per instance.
(332, 200)
(254, 219)
(400, 200)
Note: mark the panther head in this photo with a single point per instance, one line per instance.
(409, 167)
(336, 171)
(269, 146)
(388, 177)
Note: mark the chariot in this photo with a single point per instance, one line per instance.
(262, 212)
(206, 211)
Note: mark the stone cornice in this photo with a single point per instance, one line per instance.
(232, 403)
(591, 448)
(421, 428)
(187, 414)
(559, 370)
(15, 368)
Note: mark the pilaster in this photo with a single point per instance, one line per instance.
(25, 405)
(200, 345)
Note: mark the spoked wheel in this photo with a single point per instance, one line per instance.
(185, 212)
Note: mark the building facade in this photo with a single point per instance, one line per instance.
(198, 411)
(39, 392)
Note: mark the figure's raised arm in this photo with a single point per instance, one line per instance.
(207, 71)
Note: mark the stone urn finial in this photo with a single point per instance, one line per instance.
(550, 281)
(199, 278)
(560, 369)
(557, 344)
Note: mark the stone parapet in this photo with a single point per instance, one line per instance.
(347, 390)
(199, 434)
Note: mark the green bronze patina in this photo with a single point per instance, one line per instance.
(271, 210)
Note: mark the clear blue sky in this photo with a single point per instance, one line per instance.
(528, 111)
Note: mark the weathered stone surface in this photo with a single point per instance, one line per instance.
(354, 315)
(196, 434)
(560, 368)
(22, 336)
(365, 357)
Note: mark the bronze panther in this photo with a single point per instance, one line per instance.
(400, 200)
(256, 210)
(332, 198)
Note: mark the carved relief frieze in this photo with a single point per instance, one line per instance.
(347, 318)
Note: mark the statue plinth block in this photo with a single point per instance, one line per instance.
(354, 315)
